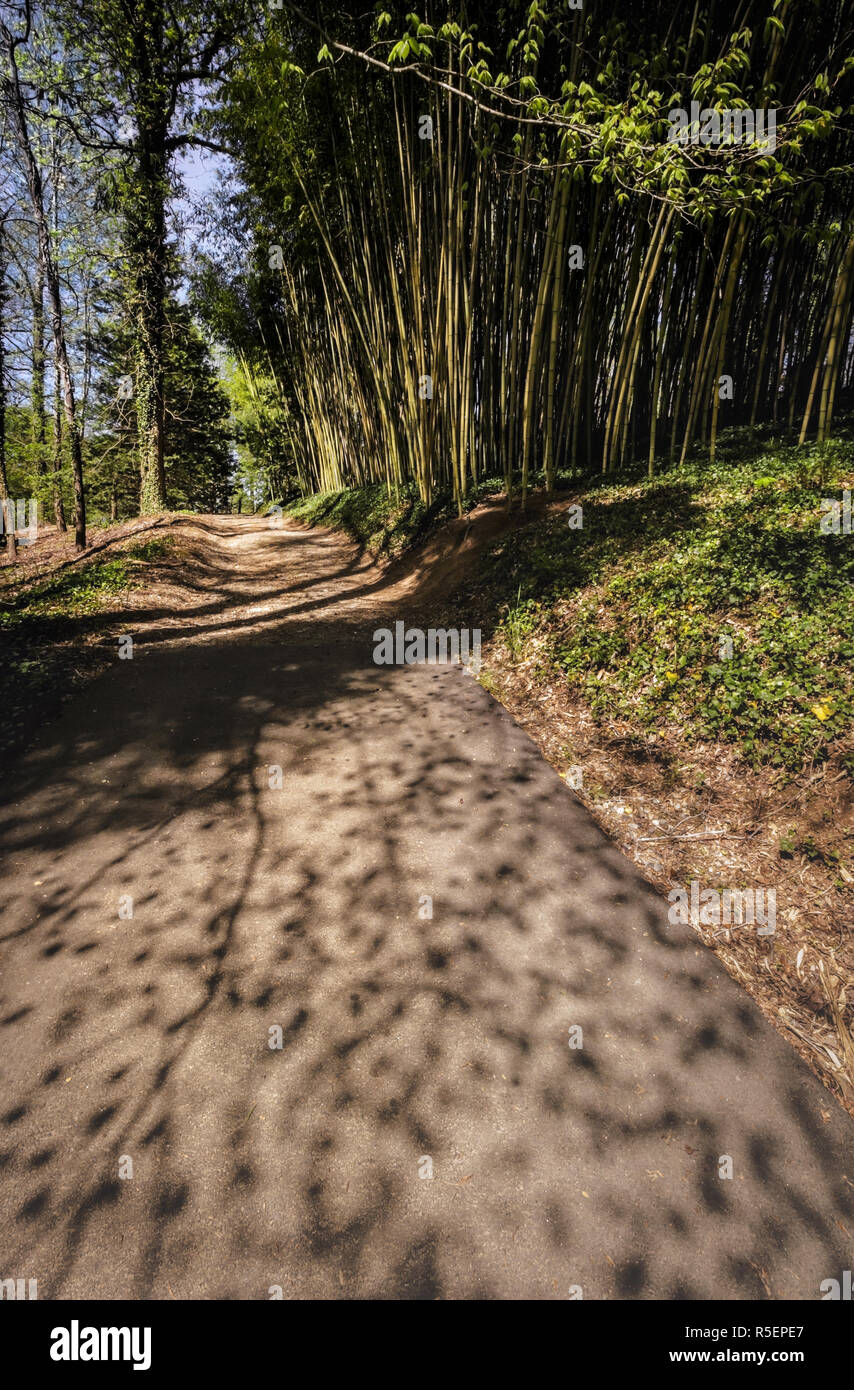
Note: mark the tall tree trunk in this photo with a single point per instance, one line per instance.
(7, 504)
(12, 90)
(37, 375)
(145, 239)
(146, 234)
(828, 389)
(58, 500)
(58, 503)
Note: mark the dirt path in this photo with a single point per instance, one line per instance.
(404, 1038)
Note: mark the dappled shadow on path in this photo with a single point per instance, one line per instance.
(303, 907)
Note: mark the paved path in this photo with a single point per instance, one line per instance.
(403, 1038)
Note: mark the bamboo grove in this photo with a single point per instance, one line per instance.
(493, 262)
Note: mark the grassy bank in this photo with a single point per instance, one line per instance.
(387, 523)
(707, 600)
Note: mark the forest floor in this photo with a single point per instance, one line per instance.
(315, 975)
